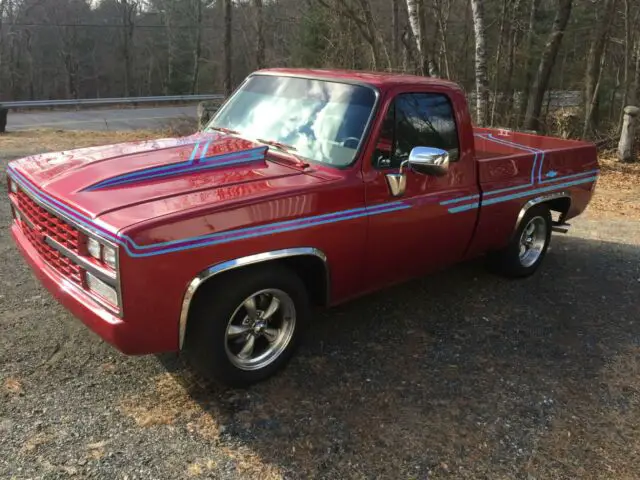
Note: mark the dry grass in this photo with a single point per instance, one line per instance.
(197, 469)
(176, 400)
(32, 443)
(29, 142)
(13, 386)
(618, 189)
(168, 403)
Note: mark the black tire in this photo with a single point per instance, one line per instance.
(207, 347)
(508, 261)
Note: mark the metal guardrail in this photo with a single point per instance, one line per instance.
(108, 101)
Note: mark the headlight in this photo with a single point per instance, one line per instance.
(101, 289)
(94, 248)
(109, 256)
(104, 253)
(14, 187)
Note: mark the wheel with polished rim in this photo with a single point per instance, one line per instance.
(528, 246)
(260, 329)
(245, 325)
(533, 241)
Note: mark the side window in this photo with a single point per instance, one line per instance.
(417, 120)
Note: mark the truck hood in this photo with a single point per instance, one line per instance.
(100, 180)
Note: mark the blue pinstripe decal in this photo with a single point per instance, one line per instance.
(464, 208)
(204, 240)
(527, 193)
(458, 200)
(249, 235)
(135, 250)
(506, 198)
(535, 151)
(189, 166)
(575, 175)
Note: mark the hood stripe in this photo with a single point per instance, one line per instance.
(188, 166)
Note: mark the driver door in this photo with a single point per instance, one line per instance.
(425, 234)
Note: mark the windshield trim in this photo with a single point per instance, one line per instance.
(365, 132)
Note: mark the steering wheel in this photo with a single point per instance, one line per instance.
(356, 141)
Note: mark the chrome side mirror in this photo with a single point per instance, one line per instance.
(429, 161)
(424, 160)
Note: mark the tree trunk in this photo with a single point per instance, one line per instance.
(228, 88)
(626, 152)
(513, 40)
(634, 93)
(526, 89)
(374, 36)
(395, 31)
(127, 12)
(594, 65)
(627, 50)
(482, 82)
(415, 14)
(198, 48)
(593, 104)
(496, 72)
(442, 24)
(257, 6)
(547, 62)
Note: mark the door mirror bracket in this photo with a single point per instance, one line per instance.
(423, 160)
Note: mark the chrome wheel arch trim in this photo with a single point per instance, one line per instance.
(536, 201)
(218, 268)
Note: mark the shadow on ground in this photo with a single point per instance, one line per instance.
(461, 374)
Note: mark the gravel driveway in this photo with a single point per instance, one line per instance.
(459, 375)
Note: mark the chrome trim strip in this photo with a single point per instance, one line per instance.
(536, 201)
(103, 274)
(238, 263)
(63, 215)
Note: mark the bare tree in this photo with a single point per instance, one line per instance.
(395, 31)
(635, 85)
(127, 10)
(547, 62)
(526, 90)
(227, 7)
(360, 13)
(257, 6)
(482, 81)
(595, 62)
(415, 10)
(197, 51)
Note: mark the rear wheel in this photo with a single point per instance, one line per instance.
(529, 245)
(245, 325)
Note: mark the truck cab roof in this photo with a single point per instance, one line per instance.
(380, 80)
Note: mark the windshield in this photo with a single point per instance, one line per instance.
(319, 120)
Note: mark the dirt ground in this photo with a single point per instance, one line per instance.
(461, 375)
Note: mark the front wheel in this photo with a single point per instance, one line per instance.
(245, 325)
(529, 245)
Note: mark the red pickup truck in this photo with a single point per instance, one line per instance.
(307, 188)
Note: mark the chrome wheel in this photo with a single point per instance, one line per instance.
(260, 329)
(532, 241)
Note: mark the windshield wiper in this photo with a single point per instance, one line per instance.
(225, 130)
(285, 148)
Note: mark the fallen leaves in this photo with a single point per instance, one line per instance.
(13, 386)
(169, 402)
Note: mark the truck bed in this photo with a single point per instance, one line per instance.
(515, 167)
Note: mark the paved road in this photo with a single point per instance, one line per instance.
(109, 119)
